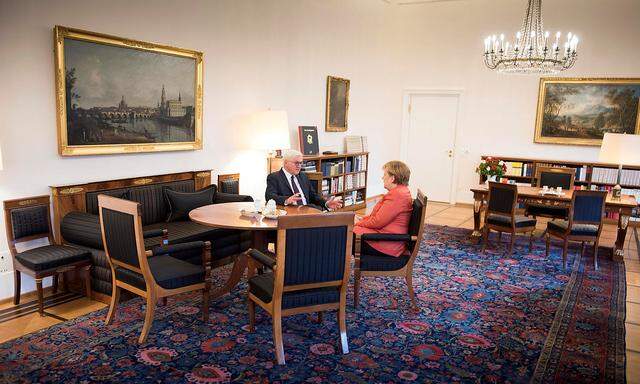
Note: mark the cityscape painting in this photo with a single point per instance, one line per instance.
(580, 111)
(117, 95)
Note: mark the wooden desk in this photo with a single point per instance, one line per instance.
(227, 215)
(623, 206)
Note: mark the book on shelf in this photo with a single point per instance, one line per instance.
(332, 168)
(308, 137)
(309, 166)
(353, 144)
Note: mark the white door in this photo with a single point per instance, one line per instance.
(430, 143)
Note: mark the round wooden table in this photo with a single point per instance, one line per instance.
(227, 215)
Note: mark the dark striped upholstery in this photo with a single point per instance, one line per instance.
(588, 208)
(179, 204)
(119, 233)
(374, 262)
(30, 221)
(169, 273)
(91, 198)
(501, 199)
(152, 200)
(51, 256)
(230, 186)
(576, 229)
(261, 286)
(82, 228)
(505, 221)
(555, 179)
(314, 255)
(544, 210)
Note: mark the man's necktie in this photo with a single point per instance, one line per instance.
(295, 188)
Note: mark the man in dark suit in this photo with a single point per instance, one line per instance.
(289, 186)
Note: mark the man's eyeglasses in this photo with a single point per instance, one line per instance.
(296, 163)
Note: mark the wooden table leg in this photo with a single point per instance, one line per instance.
(623, 223)
(477, 208)
(240, 265)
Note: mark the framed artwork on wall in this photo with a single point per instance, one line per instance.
(337, 104)
(578, 111)
(116, 95)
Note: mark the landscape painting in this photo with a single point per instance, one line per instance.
(580, 111)
(117, 95)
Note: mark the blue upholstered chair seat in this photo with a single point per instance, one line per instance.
(169, 273)
(576, 229)
(261, 286)
(382, 263)
(545, 210)
(505, 221)
(51, 256)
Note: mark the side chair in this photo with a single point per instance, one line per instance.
(551, 177)
(402, 266)
(29, 219)
(585, 223)
(501, 215)
(152, 274)
(310, 272)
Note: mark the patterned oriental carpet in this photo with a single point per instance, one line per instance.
(483, 319)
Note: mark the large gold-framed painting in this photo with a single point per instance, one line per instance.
(336, 119)
(580, 111)
(117, 95)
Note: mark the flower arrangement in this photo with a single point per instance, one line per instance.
(492, 167)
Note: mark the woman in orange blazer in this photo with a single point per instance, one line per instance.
(391, 214)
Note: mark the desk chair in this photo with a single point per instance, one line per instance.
(584, 224)
(501, 215)
(29, 219)
(402, 266)
(552, 177)
(310, 272)
(152, 274)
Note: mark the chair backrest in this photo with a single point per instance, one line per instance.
(316, 251)
(416, 223)
(554, 177)
(587, 207)
(316, 180)
(121, 224)
(229, 183)
(502, 199)
(27, 219)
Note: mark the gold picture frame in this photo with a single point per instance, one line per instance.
(336, 118)
(96, 125)
(578, 111)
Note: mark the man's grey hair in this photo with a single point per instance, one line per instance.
(290, 154)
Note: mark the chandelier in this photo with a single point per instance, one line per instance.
(531, 51)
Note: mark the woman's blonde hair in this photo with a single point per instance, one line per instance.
(399, 170)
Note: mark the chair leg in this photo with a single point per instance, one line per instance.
(412, 294)
(277, 338)
(164, 301)
(16, 287)
(485, 239)
(548, 243)
(40, 297)
(148, 318)
(356, 287)
(319, 318)
(342, 324)
(65, 282)
(252, 315)
(115, 297)
(565, 249)
(513, 239)
(54, 286)
(87, 282)
(500, 237)
(595, 255)
(582, 249)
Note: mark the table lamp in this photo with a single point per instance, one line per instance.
(620, 148)
(271, 131)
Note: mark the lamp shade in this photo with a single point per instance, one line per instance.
(270, 130)
(619, 148)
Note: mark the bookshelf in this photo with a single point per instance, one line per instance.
(589, 175)
(343, 174)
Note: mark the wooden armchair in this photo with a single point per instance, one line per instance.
(584, 224)
(29, 219)
(402, 266)
(310, 272)
(152, 274)
(501, 215)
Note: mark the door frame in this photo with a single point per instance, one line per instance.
(407, 93)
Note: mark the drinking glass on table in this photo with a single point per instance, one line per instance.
(545, 189)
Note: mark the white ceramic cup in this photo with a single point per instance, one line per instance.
(559, 190)
(545, 189)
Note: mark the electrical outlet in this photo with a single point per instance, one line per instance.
(5, 263)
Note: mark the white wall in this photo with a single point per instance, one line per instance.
(276, 54)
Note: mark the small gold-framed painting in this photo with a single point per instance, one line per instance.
(117, 95)
(579, 111)
(337, 104)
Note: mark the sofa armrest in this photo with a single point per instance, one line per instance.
(230, 198)
(173, 248)
(82, 228)
(261, 258)
(157, 232)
